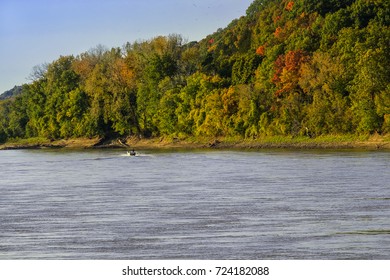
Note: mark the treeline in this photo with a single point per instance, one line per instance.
(301, 67)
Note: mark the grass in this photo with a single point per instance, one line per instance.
(35, 141)
(38, 142)
(324, 141)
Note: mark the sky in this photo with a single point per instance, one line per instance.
(33, 32)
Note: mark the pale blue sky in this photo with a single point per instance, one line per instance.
(33, 32)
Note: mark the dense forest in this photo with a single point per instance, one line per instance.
(303, 67)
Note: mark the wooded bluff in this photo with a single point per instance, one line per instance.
(304, 67)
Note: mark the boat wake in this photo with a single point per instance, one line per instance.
(136, 155)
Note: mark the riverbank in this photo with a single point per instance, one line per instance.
(373, 142)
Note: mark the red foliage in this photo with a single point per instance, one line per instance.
(289, 6)
(211, 41)
(278, 66)
(294, 59)
(278, 32)
(277, 18)
(287, 70)
(260, 50)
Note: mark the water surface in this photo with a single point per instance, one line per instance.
(100, 204)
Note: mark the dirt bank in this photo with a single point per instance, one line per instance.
(374, 142)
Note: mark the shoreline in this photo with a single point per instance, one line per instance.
(373, 142)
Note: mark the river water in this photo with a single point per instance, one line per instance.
(271, 204)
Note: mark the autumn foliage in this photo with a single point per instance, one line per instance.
(286, 68)
(289, 6)
(287, 71)
(260, 51)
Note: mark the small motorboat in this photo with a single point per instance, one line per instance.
(131, 153)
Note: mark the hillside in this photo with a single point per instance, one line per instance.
(15, 91)
(292, 68)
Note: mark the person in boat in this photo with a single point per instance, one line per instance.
(131, 153)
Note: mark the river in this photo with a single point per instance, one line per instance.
(271, 204)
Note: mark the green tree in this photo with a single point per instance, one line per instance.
(17, 118)
(323, 79)
(36, 103)
(166, 118)
(4, 120)
(368, 86)
(244, 68)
